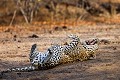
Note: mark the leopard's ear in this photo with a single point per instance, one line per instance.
(34, 46)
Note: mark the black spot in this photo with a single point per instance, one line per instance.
(47, 6)
(36, 59)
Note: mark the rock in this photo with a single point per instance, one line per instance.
(19, 41)
(15, 36)
(57, 28)
(64, 27)
(114, 48)
(33, 36)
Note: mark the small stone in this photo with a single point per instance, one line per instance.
(33, 36)
(19, 41)
(15, 36)
(64, 27)
(114, 48)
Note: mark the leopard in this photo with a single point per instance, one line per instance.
(57, 54)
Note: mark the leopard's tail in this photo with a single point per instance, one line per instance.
(20, 69)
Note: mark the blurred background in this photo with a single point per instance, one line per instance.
(47, 22)
(59, 11)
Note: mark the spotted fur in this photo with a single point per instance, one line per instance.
(84, 50)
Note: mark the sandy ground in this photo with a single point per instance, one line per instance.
(15, 47)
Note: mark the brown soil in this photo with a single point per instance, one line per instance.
(15, 44)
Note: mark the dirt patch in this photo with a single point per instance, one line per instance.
(104, 67)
